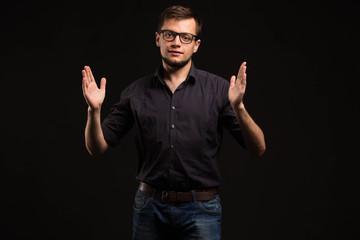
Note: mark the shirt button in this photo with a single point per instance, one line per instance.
(173, 126)
(172, 146)
(173, 107)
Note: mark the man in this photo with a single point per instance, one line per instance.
(179, 113)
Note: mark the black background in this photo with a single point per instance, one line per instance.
(303, 66)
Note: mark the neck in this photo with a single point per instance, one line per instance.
(176, 74)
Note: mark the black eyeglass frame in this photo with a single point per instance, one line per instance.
(178, 34)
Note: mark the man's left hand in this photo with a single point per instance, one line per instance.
(237, 87)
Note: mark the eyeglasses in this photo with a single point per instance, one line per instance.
(186, 38)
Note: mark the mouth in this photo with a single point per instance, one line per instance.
(174, 52)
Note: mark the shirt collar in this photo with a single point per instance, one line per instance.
(191, 76)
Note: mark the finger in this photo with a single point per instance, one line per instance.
(242, 70)
(239, 72)
(84, 84)
(91, 75)
(87, 69)
(103, 83)
(244, 74)
(84, 75)
(232, 81)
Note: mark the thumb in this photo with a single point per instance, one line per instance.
(103, 83)
(232, 81)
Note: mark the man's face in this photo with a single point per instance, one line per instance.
(175, 53)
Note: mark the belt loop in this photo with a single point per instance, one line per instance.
(194, 195)
(164, 195)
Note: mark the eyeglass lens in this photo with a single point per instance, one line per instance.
(184, 37)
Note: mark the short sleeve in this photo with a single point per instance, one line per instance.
(227, 115)
(120, 119)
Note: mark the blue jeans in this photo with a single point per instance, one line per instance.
(154, 219)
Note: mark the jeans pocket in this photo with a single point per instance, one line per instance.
(141, 200)
(212, 207)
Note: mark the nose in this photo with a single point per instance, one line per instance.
(176, 41)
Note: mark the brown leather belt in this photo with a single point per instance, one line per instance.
(172, 196)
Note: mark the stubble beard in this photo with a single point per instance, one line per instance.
(175, 64)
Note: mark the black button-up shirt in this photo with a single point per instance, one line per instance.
(178, 135)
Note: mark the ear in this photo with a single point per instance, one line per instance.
(197, 45)
(157, 39)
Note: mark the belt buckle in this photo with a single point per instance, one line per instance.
(164, 195)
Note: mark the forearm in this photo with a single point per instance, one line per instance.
(94, 137)
(252, 133)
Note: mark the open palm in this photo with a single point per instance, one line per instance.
(94, 96)
(238, 86)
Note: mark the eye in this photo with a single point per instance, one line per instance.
(168, 34)
(186, 37)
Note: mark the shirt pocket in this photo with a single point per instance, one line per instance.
(152, 121)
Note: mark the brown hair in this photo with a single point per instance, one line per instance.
(180, 12)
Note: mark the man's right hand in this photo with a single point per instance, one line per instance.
(94, 96)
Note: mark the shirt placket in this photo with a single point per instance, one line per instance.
(172, 139)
